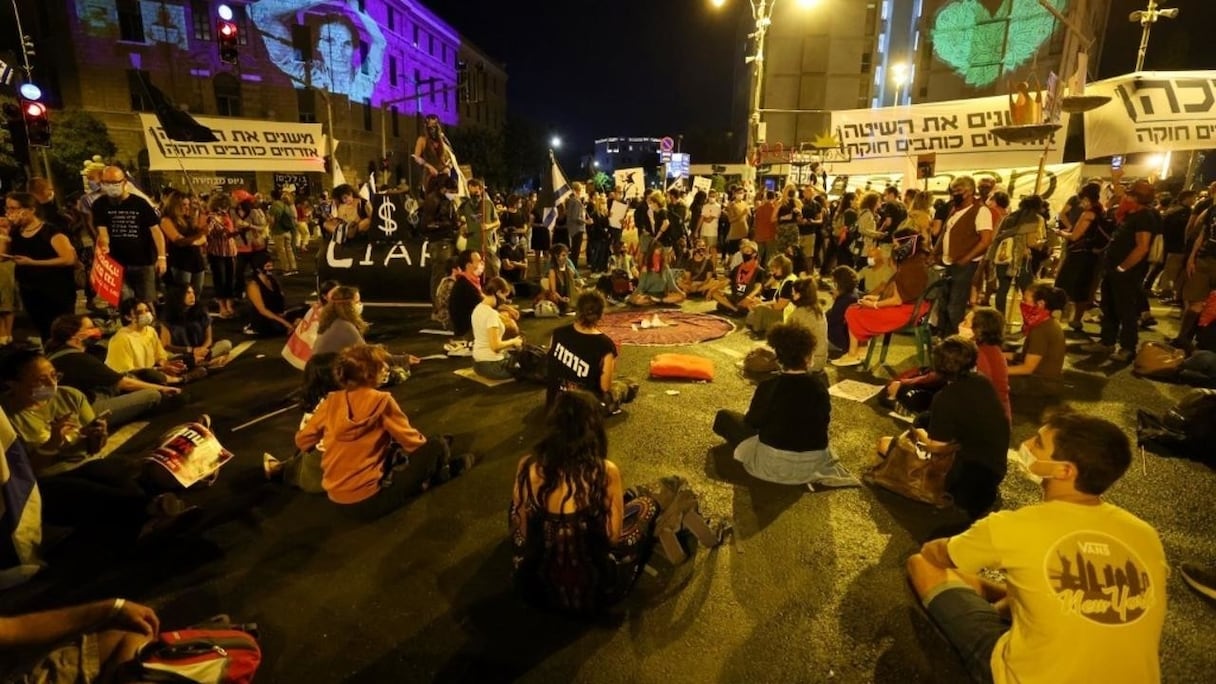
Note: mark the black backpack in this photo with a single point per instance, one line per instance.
(1188, 429)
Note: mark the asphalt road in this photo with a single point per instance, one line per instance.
(810, 588)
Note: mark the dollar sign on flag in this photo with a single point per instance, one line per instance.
(388, 224)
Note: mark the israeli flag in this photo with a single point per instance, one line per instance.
(561, 192)
(20, 508)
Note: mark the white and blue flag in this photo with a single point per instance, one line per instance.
(20, 509)
(561, 192)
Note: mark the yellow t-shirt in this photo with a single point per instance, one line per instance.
(130, 350)
(1086, 588)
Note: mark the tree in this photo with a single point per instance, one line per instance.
(482, 149)
(11, 171)
(526, 153)
(76, 136)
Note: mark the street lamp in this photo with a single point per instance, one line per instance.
(1146, 18)
(555, 142)
(762, 14)
(901, 76)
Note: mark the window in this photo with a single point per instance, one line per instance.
(301, 42)
(227, 95)
(139, 99)
(364, 65)
(430, 45)
(867, 62)
(392, 70)
(396, 125)
(415, 35)
(367, 114)
(362, 5)
(306, 102)
(130, 22)
(391, 18)
(241, 18)
(445, 54)
(434, 90)
(200, 18)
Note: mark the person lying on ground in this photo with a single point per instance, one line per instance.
(374, 459)
(341, 326)
(783, 438)
(186, 330)
(583, 357)
(269, 315)
(124, 396)
(136, 349)
(656, 284)
(495, 332)
(91, 642)
(578, 546)
(1084, 597)
(768, 308)
(744, 282)
(64, 438)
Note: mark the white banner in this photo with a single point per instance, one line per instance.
(1060, 181)
(1152, 112)
(244, 145)
(888, 139)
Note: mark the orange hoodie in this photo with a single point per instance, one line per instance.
(358, 427)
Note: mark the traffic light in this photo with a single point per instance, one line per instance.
(227, 32)
(37, 123)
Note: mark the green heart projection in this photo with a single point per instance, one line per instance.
(981, 45)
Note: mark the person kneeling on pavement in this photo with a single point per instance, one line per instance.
(1054, 619)
(578, 545)
(495, 332)
(374, 459)
(124, 396)
(784, 436)
(64, 439)
(583, 357)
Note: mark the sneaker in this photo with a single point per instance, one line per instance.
(461, 352)
(1123, 356)
(1147, 323)
(453, 345)
(1201, 579)
(847, 361)
(1097, 348)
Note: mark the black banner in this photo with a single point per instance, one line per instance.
(386, 272)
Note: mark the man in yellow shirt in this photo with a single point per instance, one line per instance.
(1084, 596)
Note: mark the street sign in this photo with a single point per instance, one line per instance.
(665, 157)
(667, 144)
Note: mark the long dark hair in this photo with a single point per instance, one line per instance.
(176, 311)
(572, 454)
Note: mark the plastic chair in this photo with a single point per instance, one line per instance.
(917, 325)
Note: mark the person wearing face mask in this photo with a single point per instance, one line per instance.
(772, 305)
(744, 282)
(876, 271)
(699, 272)
(45, 262)
(440, 225)
(492, 339)
(1038, 369)
(128, 230)
(481, 224)
(125, 396)
(136, 347)
(1084, 596)
(466, 295)
(965, 239)
(891, 305)
(340, 325)
(64, 438)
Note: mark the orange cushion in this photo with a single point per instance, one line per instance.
(682, 367)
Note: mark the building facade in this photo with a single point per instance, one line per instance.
(624, 153)
(369, 70)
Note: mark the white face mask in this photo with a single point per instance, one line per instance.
(112, 190)
(144, 319)
(44, 392)
(1028, 459)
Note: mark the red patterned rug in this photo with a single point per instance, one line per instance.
(681, 328)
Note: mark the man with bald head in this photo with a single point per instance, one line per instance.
(128, 229)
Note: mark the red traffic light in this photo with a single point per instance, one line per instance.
(227, 29)
(35, 110)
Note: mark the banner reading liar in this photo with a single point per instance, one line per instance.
(889, 139)
(244, 145)
(106, 278)
(1152, 112)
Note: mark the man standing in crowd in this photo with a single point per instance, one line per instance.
(128, 229)
(282, 215)
(1200, 276)
(1123, 280)
(1173, 231)
(1084, 596)
(968, 233)
(893, 210)
(440, 226)
(481, 223)
(576, 220)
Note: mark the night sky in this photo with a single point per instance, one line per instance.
(587, 69)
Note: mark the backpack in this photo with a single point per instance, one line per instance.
(215, 652)
(1188, 429)
(529, 363)
(679, 511)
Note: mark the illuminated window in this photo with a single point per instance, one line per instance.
(130, 21)
(200, 19)
(227, 95)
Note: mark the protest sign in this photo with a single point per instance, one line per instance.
(1152, 112)
(106, 278)
(243, 145)
(630, 183)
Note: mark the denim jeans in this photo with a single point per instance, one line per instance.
(125, 408)
(183, 278)
(494, 370)
(961, 276)
(1121, 297)
(139, 282)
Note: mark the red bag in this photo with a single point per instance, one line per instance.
(215, 652)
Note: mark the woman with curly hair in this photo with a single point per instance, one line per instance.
(578, 545)
(341, 325)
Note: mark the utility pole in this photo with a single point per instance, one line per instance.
(26, 49)
(762, 15)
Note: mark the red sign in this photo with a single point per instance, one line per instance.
(106, 278)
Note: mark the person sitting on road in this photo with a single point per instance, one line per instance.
(965, 417)
(769, 307)
(1084, 596)
(656, 284)
(561, 288)
(374, 459)
(700, 270)
(125, 397)
(493, 339)
(269, 316)
(441, 311)
(844, 296)
(784, 436)
(466, 295)
(578, 546)
(808, 313)
(890, 306)
(341, 326)
(583, 357)
(64, 439)
(136, 349)
(622, 277)
(745, 282)
(84, 643)
(1039, 369)
(186, 330)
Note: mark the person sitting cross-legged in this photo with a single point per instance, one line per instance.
(656, 284)
(769, 308)
(464, 297)
(136, 348)
(374, 459)
(1039, 369)
(784, 436)
(1084, 598)
(700, 269)
(744, 282)
(578, 545)
(583, 357)
(495, 332)
(186, 329)
(340, 325)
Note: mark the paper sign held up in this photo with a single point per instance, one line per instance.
(106, 278)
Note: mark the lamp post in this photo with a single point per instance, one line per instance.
(1146, 18)
(762, 14)
(901, 75)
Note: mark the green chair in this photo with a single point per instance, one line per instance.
(917, 325)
